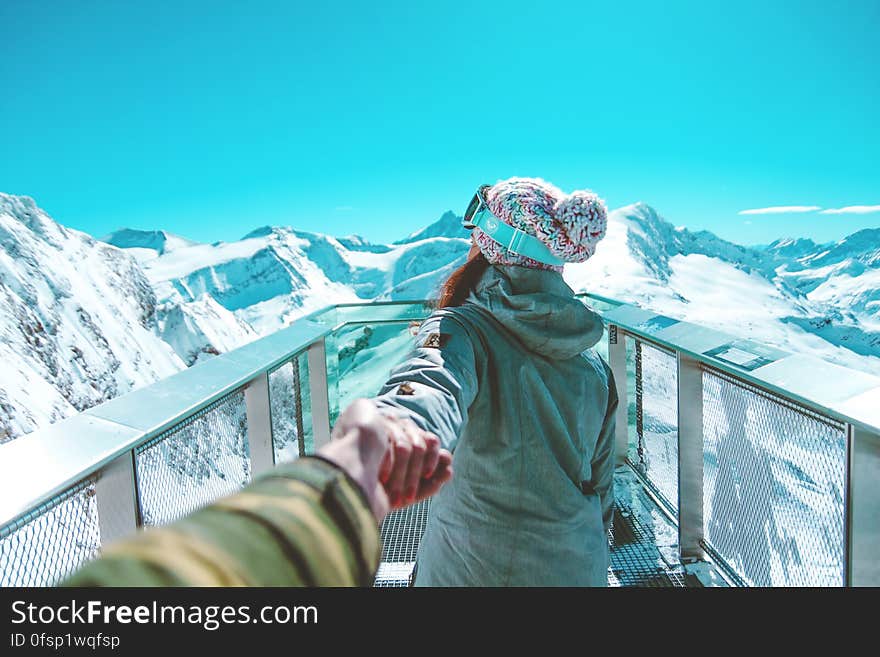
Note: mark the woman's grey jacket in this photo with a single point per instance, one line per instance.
(510, 382)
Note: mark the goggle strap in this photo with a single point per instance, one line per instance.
(513, 239)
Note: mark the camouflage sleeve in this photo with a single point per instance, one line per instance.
(302, 524)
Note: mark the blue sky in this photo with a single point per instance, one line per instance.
(212, 118)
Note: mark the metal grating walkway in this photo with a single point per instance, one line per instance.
(643, 541)
(401, 533)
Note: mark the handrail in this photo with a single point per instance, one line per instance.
(79, 446)
(847, 395)
(850, 397)
(599, 297)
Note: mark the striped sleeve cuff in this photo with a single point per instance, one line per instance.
(306, 523)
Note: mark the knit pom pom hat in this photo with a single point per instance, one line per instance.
(569, 225)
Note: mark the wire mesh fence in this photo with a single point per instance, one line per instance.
(52, 541)
(653, 446)
(291, 408)
(774, 486)
(195, 462)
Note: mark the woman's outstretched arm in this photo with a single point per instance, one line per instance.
(436, 384)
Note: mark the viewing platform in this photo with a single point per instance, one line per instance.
(739, 464)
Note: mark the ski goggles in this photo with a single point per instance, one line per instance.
(478, 215)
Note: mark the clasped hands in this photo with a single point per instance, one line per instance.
(395, 462)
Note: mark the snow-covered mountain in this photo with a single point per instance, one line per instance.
(201, 328)
(77, 321)
(153, 242)
(794, 293)
(163, 302)
(791, 248)
(773, 294)
(841, 282)
(449, 225)
(274, 275)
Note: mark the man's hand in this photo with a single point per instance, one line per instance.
(358, 444)
(394, 461)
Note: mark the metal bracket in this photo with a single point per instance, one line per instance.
(259, 424)
(319, 393)
(116, 497)
(690, 459)
(617, 363)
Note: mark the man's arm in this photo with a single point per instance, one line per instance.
(313, 522)
(303, 524)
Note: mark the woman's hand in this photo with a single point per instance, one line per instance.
(415, 467)
(395, 462)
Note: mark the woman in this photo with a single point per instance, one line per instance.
(505, 375)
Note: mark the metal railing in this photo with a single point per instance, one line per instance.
(767, 461)
(768, 472)
(155, 454)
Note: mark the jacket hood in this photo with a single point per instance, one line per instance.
(539, 308)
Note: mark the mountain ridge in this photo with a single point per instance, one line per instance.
(160, 241)
(174, 302)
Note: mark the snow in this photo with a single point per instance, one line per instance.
(276, 275)
(367, 260)
(183, 261)
(201, 328)
(448, 225)
(753, 294)
(146, 244)
(77, 325)
(855, 293)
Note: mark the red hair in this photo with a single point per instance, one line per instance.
(456, 288)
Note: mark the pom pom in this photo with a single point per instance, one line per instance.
(580, 220)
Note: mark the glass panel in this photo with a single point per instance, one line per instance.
(599, 305)
(602, 346)
(328, 317)
(383, 312)
(331, 347)
(362, 358)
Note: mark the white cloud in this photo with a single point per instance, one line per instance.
(782, 209)
(343, 208)
(853, 209)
